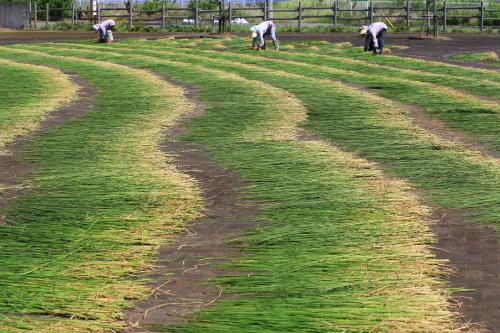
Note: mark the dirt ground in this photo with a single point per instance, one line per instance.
(180, 283)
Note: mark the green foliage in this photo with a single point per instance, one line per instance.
(203, 4)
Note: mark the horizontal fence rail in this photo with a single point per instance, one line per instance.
(429, 16)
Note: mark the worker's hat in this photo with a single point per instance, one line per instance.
(363, 30)
(95, 27)
(254, 34)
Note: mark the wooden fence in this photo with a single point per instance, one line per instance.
(438, 17)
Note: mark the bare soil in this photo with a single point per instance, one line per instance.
(181, 281)
(15, 169)
(474, 254)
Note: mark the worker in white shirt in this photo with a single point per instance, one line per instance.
(260, 32)
(374, 36)
(105, 29)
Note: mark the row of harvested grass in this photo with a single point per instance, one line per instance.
(102, 201)
(343, 56)
(29, 92)
(457, 108)
(345, 249)
(487, 58)
(342, 50)
(452, 175)
(292, 66)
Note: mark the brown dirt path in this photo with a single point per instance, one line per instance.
(180, 282)
(14, 168)
(473, 252)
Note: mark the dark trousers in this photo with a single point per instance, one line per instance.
(369, 42)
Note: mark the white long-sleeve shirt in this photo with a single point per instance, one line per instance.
(104, 25)
(374, 29)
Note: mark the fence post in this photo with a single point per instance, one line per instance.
(407, 14)
(230, 17)
(31, 15)
(265, 11)
(47, 15)
(196, 14)
(36, 14)
(444, 16)
(73, 15)
(436, 20)
(481, 27)
(130, 14)
(221, 3)
(299, 16)
(371, 12)
(335, 14)
(428, 16)
(98, 10)
(162, 16)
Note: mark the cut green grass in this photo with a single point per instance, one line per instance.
(488, 58)
(28, 93)
(103, 198)
(451, 176)
(345, 249)
(460, 110)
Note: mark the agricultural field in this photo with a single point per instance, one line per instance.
(196, 185)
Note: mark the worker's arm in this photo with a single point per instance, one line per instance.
(373, 35)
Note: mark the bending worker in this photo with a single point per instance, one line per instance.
(105, 29)
(261, 31)
(374, 36)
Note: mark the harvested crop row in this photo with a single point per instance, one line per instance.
(282, 67)
(459, 110)
(489, 58)
(335, 50)
(345, 246)
(486, 86)
(28, 93)
(454, 177)
(103, 199)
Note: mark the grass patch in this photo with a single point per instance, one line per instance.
(28, 93)
(451, 176)
(488, 58)
(459, 110)
(345, 249)
(102, 201)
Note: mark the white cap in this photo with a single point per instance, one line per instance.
(95, 27)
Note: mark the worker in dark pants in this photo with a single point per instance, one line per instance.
(105, 30)
(374, 36)
(260, 32)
